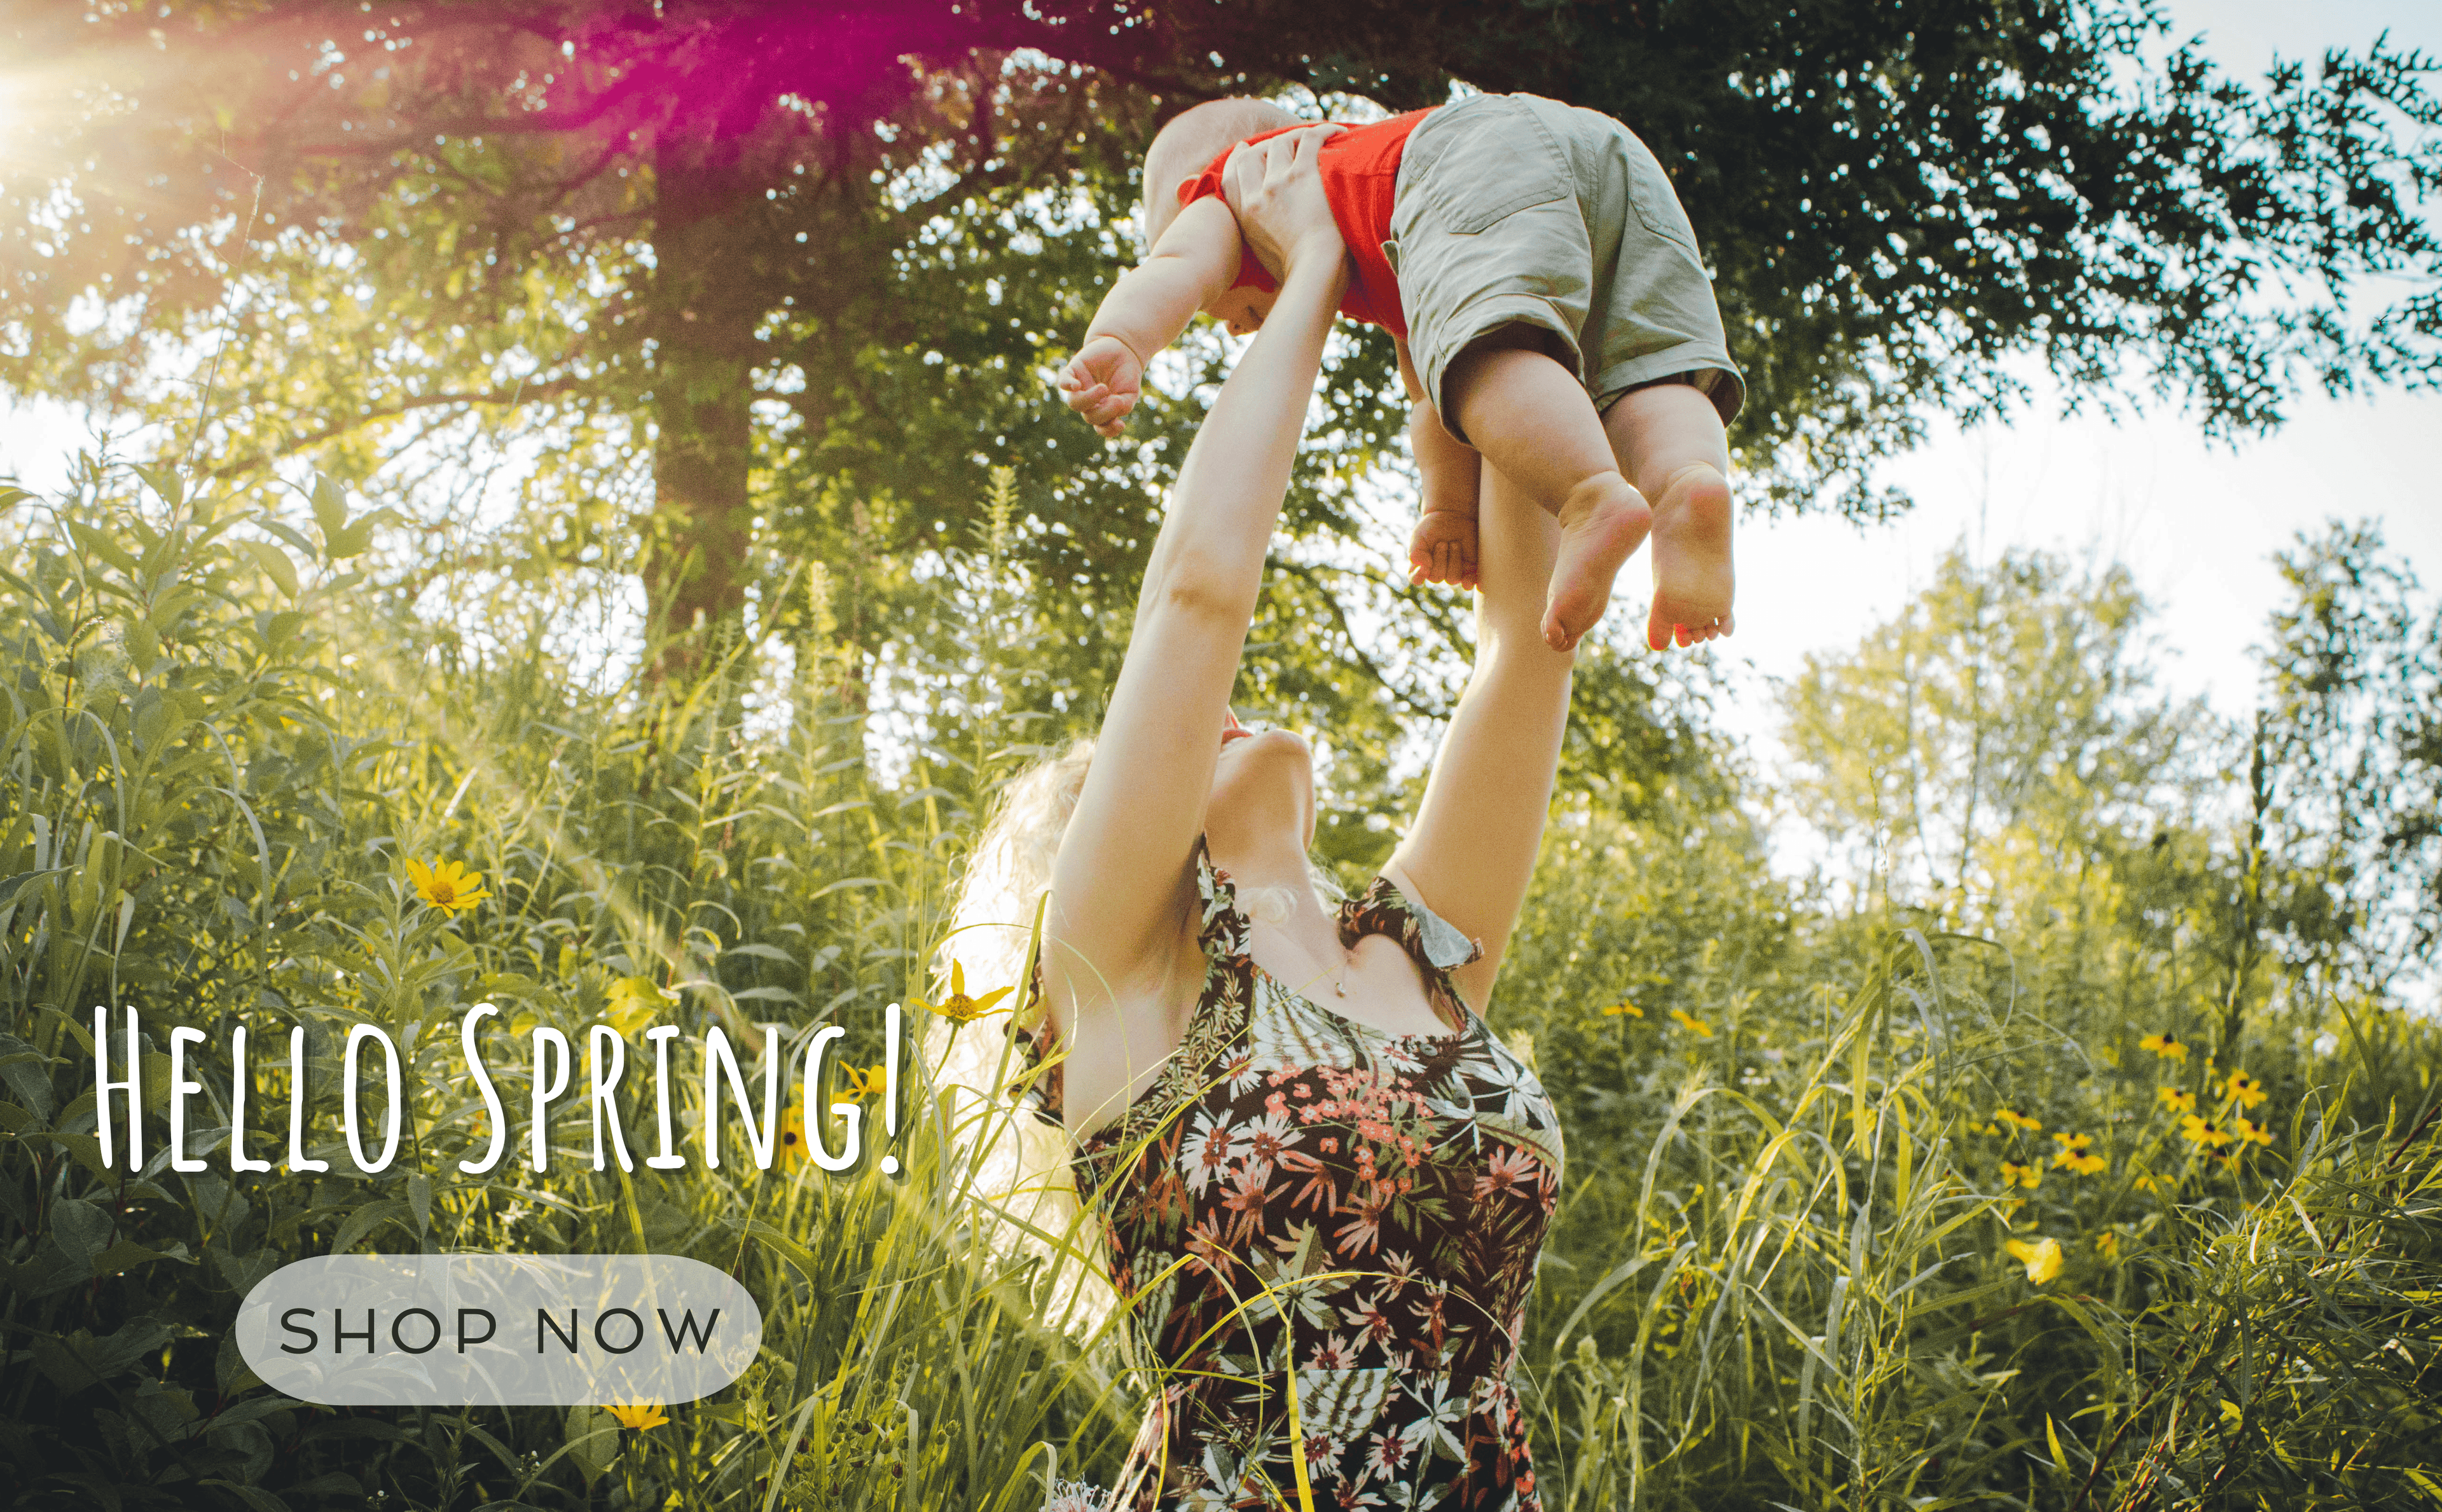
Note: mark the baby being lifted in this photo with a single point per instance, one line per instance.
(1542, 284)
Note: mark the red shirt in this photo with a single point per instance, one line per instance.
(1360, 178)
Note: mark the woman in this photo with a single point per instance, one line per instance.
(1307, 1148)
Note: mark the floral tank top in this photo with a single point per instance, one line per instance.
(1329, 1235)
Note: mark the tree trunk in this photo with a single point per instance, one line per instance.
(705, 308)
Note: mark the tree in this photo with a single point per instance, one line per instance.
(2006, 719)
(799, 263)
(2343, 880)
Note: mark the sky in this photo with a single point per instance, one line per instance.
(2196, 523)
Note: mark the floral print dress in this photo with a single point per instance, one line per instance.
(1297, 1188)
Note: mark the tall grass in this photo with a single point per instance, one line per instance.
(1779, 1274)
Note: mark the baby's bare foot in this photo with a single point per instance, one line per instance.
(1602, 523)
(1691, 559)
(1443, 548)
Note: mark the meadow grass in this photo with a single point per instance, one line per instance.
(1781, 1274)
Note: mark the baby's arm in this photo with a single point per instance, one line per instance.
(1195, 262)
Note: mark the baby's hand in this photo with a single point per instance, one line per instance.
(1102, 383)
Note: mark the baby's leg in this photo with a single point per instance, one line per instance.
(1669, 437)
(1443, 548)
(1531, 418)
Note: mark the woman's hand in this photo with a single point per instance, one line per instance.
(1276, 192)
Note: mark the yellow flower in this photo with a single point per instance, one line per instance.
(2072, 1153)
(2164, 1045)
(1623, 1007)
(2243, 1089)
(2029, 1175)
(862, 1081)
(2247, 1129)
(792, 1137)
(640, 1416)
(447, 885)
(958, 1005)
(634, 1002)
(2043, 1258)
(2107, 1243)
(2175, 1100)
(1691, 1023)
(2017, 1121)
(2202, 1131)
(2148, 1181)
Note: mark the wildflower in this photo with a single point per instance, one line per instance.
(641, 1416)
(958, 1007)
(1623, 1008)
(447, 885)
(2203, 1132)
(2107, 1243)
(2148, 1181)
(2017, 1119)
(2072, 1154)
(2246, 1129)
(2243, 1089)
(2029, 1175)
(2175, 1100)
(1691, 1023)
(792, 1137)
(635, 1000)
(2164, 1045)
(863, 1081)
(2042, 1259)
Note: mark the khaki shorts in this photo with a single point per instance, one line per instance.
(1513, 208)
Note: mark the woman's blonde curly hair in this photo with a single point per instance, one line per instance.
(1014, 1152)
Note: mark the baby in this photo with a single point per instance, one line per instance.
(1542, 284)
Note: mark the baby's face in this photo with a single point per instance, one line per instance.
(1242, 310)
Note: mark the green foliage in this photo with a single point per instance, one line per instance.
(1781, 1272)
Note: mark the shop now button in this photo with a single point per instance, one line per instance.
(499, 1330)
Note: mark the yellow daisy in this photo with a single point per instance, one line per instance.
(2247, 1130)
(1691, 1023)
(958, 1005)
(2107, 1242)
(2017, 1119)
(2164, 1045)
(792, 1137)
(861, 1082)
(447, 885)
(1623, 1008)
(2175, 1100)
(2203, 1132)
(2243, 1089)
(640, 1416)
(2029, 1175)
(2043, 1259)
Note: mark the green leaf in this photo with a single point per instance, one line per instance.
(419, 1200)
(262, 1500)
(330, 506)
(10, 888)
(127, 1254)
(592, 1437)
(273, 561)
(364, 1221)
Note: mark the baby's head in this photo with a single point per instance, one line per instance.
(1187, 146)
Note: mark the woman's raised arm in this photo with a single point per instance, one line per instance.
(1471, 854)
(1122, 878)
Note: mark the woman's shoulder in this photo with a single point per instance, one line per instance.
(1393, 906)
